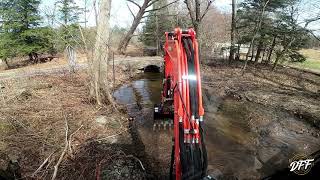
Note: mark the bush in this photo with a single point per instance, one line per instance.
(296, 57)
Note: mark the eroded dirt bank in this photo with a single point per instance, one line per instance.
(253, 124)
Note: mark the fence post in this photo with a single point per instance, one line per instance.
(114, 75)
(71, 58)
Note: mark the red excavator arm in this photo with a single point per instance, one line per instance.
(181, 101)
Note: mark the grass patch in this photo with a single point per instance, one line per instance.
(312, 62)
(310, 65)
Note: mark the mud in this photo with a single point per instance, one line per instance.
(249, 135)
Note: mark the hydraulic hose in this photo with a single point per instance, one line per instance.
(193, 155)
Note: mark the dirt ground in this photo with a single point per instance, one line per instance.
(37, 111)
(287, 89)
(264, 118)
(34, 111)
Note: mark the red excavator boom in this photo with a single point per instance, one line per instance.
(181, 100)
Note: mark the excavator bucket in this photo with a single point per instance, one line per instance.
(162, 118)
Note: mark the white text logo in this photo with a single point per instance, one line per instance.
(301, 164)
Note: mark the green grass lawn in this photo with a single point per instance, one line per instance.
(312, 62)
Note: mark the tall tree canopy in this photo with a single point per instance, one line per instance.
(271, 27)
(69, 11)
(157, 23)
(20, 32)
(69, 15)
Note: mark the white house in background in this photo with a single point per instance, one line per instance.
(223, 49)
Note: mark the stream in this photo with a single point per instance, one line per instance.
(244, 140)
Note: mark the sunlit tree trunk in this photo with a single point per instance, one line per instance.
(99, 65)
(233, 30)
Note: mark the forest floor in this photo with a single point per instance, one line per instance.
(35, 110)
(38, 111)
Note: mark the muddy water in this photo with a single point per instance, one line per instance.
(244, 140)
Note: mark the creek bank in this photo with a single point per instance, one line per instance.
(246, 137)
(33, 114)
(269, 118)
(287, 89)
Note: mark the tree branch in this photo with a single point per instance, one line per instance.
(70, 141)
(131, 156)
(166, 15)
(191, 13)
(56, 167)
(151, 3)
(95, 12)
(197, 5)
(161, 7)
(135, 3)
(42, 165)
(315, 36)
(131, 11)
(308, 21)
(207, 9)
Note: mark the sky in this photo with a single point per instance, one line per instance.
(121, 17)
(120, 14)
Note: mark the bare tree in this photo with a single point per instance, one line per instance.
(233, 31)
(312, 20)
(194, 8)
(214, 29)
(94, 3)
(143, 9)
(99, 65)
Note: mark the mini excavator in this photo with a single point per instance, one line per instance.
(181, 105)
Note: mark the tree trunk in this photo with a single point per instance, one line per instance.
(279, 56)
(157, 34)
(6, 62)
(95, 12)
(198, 33)
(233, 28)
(277, 60)
(263, 55)
(238, 52)
(257, 29)
(30, 57)
(36, 57)
(248, 52)
(271, 50)
(197, 20)
(252, 53)
(125, 41)
(259, 49)
(99, 66)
